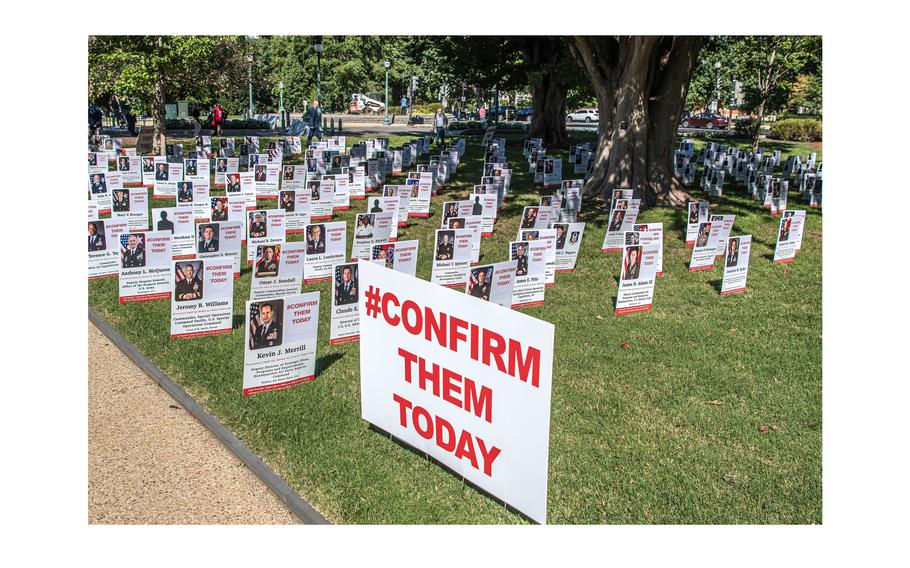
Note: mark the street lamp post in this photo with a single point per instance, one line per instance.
(318, 47)
(249, 60)
(387, 65)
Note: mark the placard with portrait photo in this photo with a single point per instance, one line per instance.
(345, 324)
(278, 270)
(399, 255)
(103, 252)
(167, 176)
(567, 245)
(492, 282)
(705, 248)
(530, 272)
(145, 266)
(697, 213)
(296, 207)
(736, 264)
(264, 227)
(622, 217)
(451, 256)
(131, 204)
(179, 222)
(637, 274)
(280, 342)
(326, 245)
(370, 229)
(221, 239)
(203, 298)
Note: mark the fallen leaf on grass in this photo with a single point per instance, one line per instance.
(762, 427)
(732, 330)
(730, 479)
(715, 402)
(626, 345)
(599, 317)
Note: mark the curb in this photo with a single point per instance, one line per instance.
(303, 510)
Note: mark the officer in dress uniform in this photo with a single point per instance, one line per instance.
(733, 252)
(185, 193)
(444, 250)
(268, 264)
(95, 238)
(522, 261)
(190, 288)
(257, 227)
(268, 332)
(219, 213)
(161, 172)
(208, 243)
(346, 290)
(121, 201)
(134, 257)
(315, 242)
(98, 185)
(560, 236)
(287, 201)
(482, 288)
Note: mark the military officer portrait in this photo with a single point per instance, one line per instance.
(257, 224)
(265, 324)
(132, 251)
(445, 248)
(345, 284)
(631, 263)
(99, 185)
(188, 281)
(632, 238)
(287, 201)
(260, 173)
(784, 230)
(616, 221)
(190, 167)
(529, 218)
(208, 238)
(185, 192)
(148, 165)
(314, 190)
(520, 253)
(96, 239)
(693, 213)
(123, 164)
(219, 210)
(704, 231)
(267, 260)
(233, 183)
(480, 277)
(530, 235)
(561, 230)
(732, 252)
(120, 202)
(221, 165)
(315, 239)
(92, 159)
(449, 210)
(161, 173)
(288, 173)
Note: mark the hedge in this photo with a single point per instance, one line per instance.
(797, 130)
(230, 124)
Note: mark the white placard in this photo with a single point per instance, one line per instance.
(484, 205)
(220, 240)
(145, 266)
(530, 272)
(203, 299)
(698, 214)
(736, 265)
(345, 295)
(705, 249)
(638, 272)
(789, 236)
(277, 271)
(492, 282)
(103, 249)
(652, 236)
(264, 227)
(296, 206)
(568, 243)
(451, 256)
(130, 168)
(280, 346)
(477, 398)
(321, 199)
(326, 245)
(400, 256)
(371, 229)
(622, 218)
(178, 221)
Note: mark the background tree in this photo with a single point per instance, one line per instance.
(149, 70)
(640, 84)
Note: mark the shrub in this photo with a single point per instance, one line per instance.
(797, 130)
(744, 126)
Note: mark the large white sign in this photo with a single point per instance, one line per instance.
(280, 346)
(466, 382)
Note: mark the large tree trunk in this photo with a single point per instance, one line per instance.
(548, 121)
(641, 85)
(548, 89)
(159, 126)
(756, 130)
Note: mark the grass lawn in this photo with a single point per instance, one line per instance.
(655, 416)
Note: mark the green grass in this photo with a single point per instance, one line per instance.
(655, 416)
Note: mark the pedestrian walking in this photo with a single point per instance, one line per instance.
(440, 121)
(404, 105)
(314, 121)
(218, 118)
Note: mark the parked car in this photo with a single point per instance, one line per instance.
(507, 112)
(704, 120)
(584, 115)
(524, 113)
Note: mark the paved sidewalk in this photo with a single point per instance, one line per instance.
(151, 462)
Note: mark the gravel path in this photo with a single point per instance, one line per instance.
(151, 462)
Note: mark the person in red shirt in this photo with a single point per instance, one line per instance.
(218, 117)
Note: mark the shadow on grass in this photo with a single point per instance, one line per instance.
(326, 361)
(431, 460)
